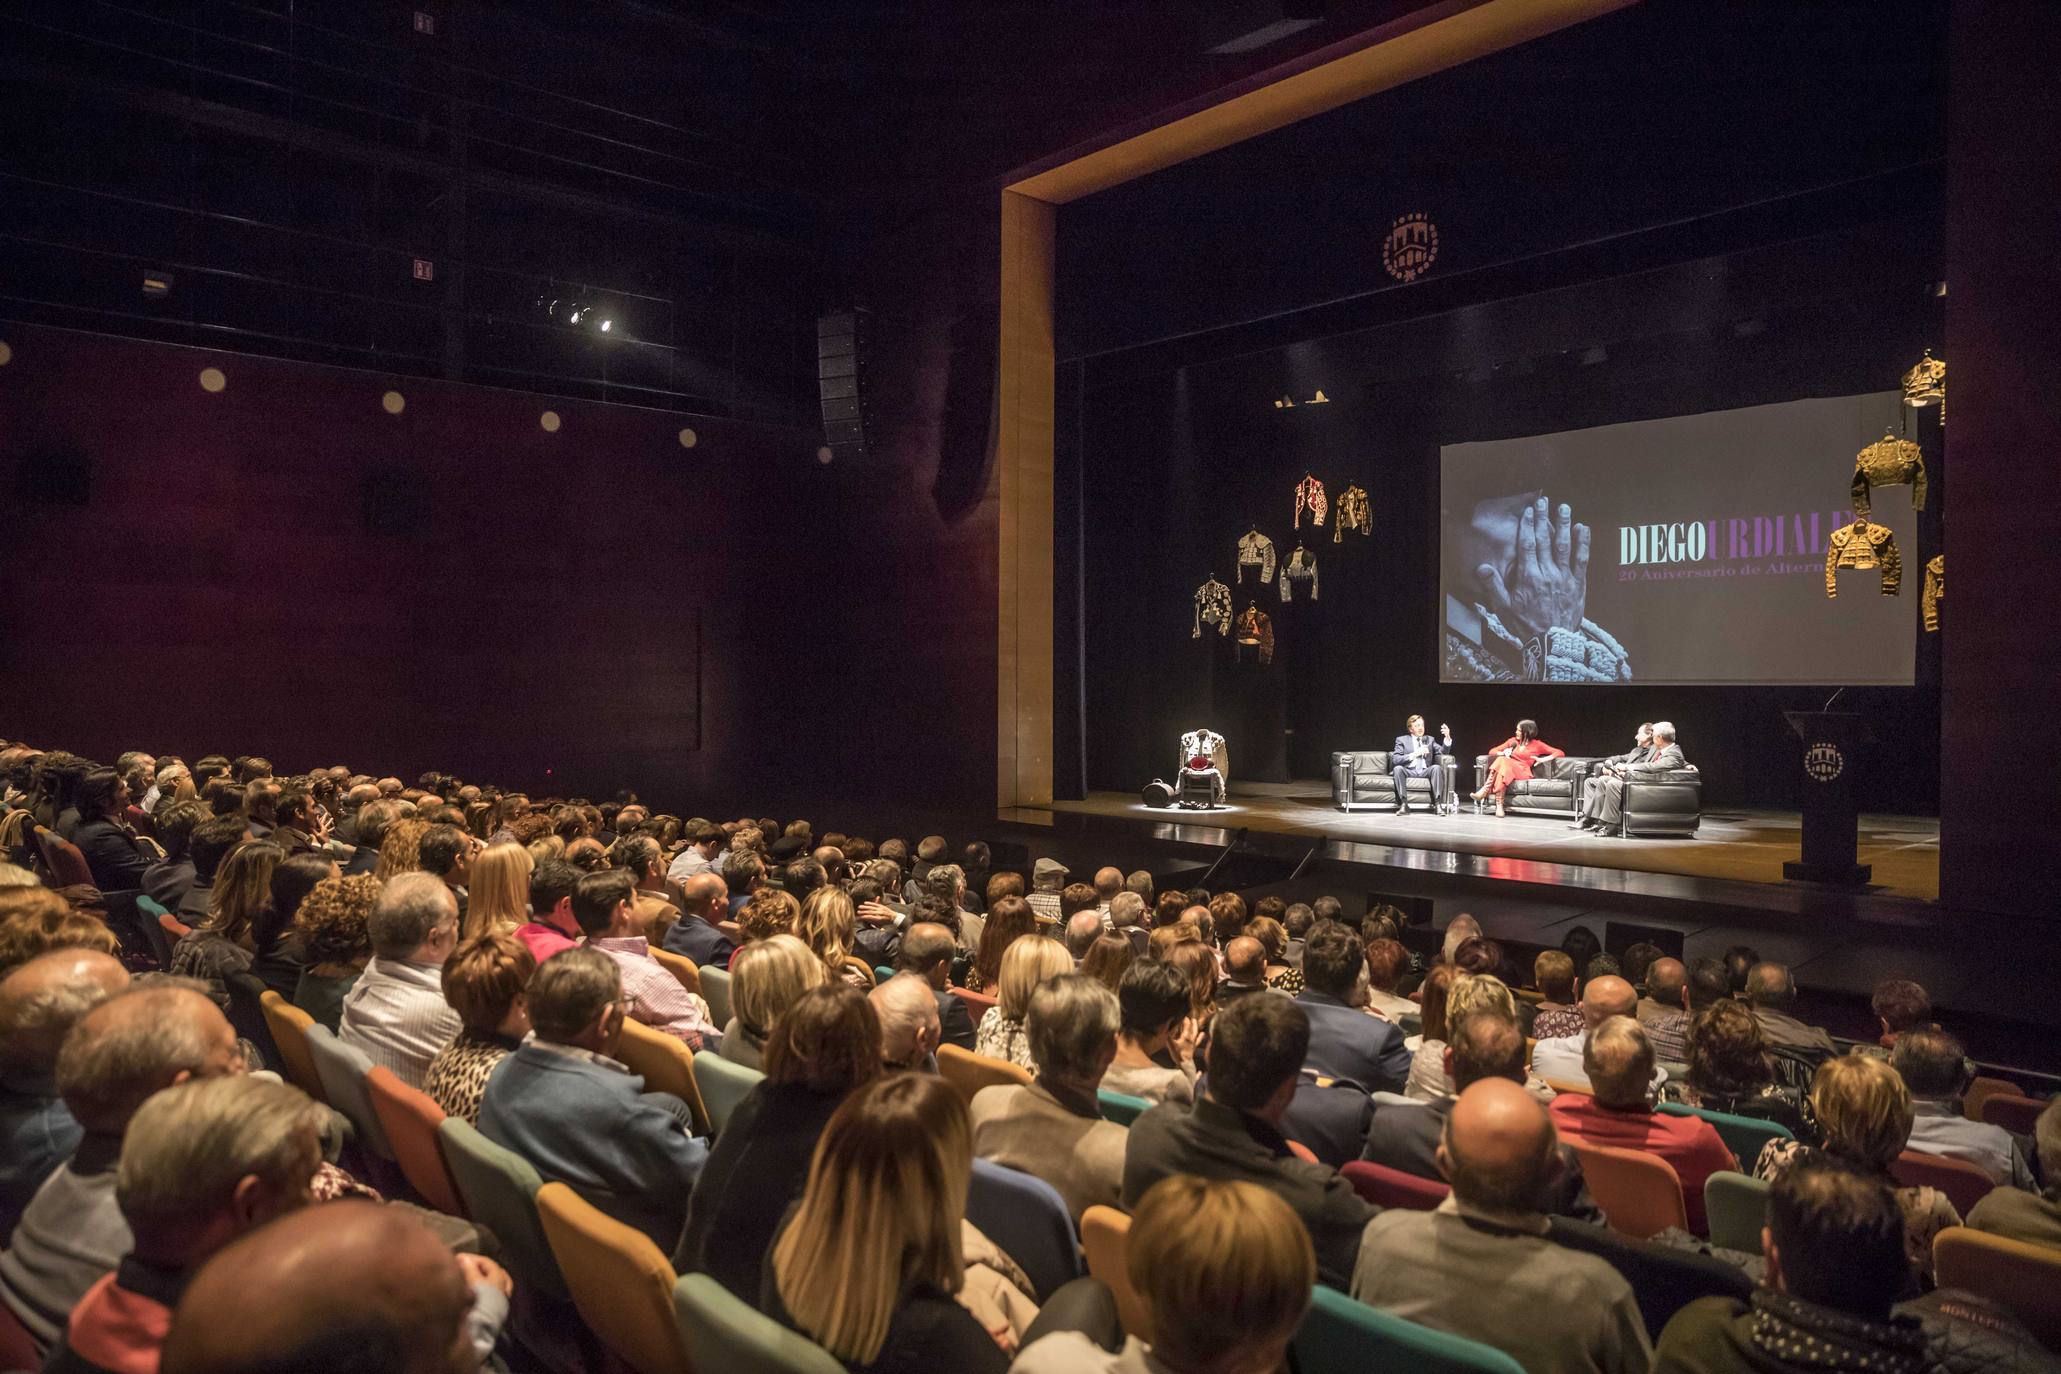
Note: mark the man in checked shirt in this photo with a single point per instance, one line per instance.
(604, 904)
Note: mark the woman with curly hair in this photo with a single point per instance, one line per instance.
(770, 912)
(1273, 937)
(401, 850)
(1729, 1069)
(1009, 920)
(829, 926)
(223, 944)
(35, 920)
(332, 923)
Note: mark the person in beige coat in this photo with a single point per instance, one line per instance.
(1053, 1129)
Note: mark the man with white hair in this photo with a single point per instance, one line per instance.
(396, 1012)
(1603, 794)
(909, 1024)
(39, 1004)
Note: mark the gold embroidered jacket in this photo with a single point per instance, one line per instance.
(1935, 591)
(1255, 550)
(1256, 629)
(1353, 511)
(1888, 462)
(1212, 607)
(1863, 545)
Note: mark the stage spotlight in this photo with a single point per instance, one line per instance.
(578, 311)
(605, 325)
(156, 284)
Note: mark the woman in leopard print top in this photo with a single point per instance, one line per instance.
(483, 981)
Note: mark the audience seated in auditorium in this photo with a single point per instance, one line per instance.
(1480, 1266)
(926, 952)
(581, 1117)
(335, 928)
(484, 982)
(1345, 1042)
(39, 1004)
(829, 926)
(1772, 992)
(2031, 1217)
(1558, 1015)
(1618, 1112)
(202, 1163)
(168, 881)
(1002, 1033)
(1233, 1130)
(1834, 1249)
(116, 857)
(946, 883)
(1224, 1268)
(867, 1263)
(1009, 919)
(1156, 1037)
(1245, 970)
(212, 841)
(552, 927)
(1428, 1081)
(698, 934)
(1107, 959)
(909, 1025)
(347, 1285)
(497, 892)
(279, 955)
(1048, 880)
(223, 944)
(1054, 1129)
(604, 904)
(72, 1232)
(396, 1012)
(1663, 1012)
(1485, 1044)
(1899, 1005)
(1729, 1069)
(1083, 929)
(704, 846)
(1387, 964)
(766, 978)
(822, 1047)
(1863, 1112)
(1561, 1060)
(1934, 1069)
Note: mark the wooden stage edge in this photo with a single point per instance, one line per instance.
(1732, 847)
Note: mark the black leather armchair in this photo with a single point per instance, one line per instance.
(1669, 803)
(1360, 781)
(1553, 789)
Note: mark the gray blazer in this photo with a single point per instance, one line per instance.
(1666, 758)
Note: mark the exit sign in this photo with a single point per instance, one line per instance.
(425, 270)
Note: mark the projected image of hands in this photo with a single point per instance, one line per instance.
(1529, 618)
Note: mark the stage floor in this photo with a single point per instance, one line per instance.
(1733, 845)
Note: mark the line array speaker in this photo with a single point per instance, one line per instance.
(841, 380)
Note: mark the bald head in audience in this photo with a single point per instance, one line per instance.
(1083, 928)
(336, 1289)
(1619, 1062)
(1498, 1148)
(1665, 979)
(135, 1044)
(1606, 997)
(1245, 960)
(43, 999)
(909, 1025)
(707, 896)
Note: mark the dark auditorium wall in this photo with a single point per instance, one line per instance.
(1773, 237)
(573, 611)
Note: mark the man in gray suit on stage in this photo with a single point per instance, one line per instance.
(1417, 755)
(1603, 794)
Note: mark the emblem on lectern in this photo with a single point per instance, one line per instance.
(1410, 248)
(1824, 762)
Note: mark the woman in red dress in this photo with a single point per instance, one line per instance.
(1511, 761)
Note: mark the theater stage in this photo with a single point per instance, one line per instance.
(1733, 845)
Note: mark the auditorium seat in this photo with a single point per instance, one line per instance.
(2014, 1113)
(1028, 1219)
(1386, 1187)
(149, 917)
(1981, 1089)
(246, 991)
(1640, 1193)
(977, 1003)
(968, 1072)
(499, 1189)
(66, 864)
(2021, 1277)
(681, 967)
(715, 987)
(290, 1027)
(1736, 1206)
(1963, 1183)
(727, 1334)
(343, 1069)
(1663, 1278)
(1105, 1239)
(1340, 1335)
(1744, 1136)
(1553, 789)
(1361, 781)
(410, 1119)
(723, 1085)
(666, 1065)
(621, 1283)
(1122, 1108)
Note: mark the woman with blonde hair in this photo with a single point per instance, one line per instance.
(401, 850)
(870, 1261)
(766, 978)
(1864, 1120)
(829, 925)
(223, 944)
(1002, 1033)
(498, 891)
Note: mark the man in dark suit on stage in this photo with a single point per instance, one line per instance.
(1603, 795)
(1417, 755)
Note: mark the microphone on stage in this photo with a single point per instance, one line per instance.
(1834, 697)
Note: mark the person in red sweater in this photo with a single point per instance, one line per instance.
(1511, 761)
(1619, 1061)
